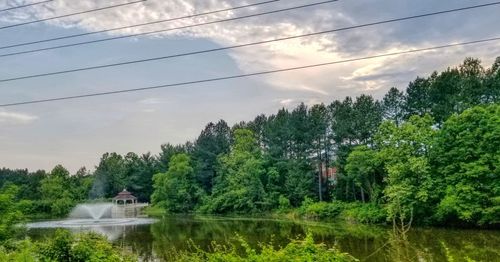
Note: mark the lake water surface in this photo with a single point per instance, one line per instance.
(367, 243)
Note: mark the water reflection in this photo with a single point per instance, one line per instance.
(367, 243)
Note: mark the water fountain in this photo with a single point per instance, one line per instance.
(101, 217)
(94, 211)
(91, 215)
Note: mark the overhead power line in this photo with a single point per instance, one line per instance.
(72, 14)
(234, 46)
(248, 75)
(167, 30)
(138, 25)
(24, 6)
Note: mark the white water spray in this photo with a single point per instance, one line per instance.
(92, 211)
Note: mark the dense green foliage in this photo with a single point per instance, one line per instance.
(366, 213)
(64, 247)
(364, 168)
(388, 155)
(320, 210)
(427, 155)
(51, 194)
(56, 196)
(175, 190)
(11, 212)
(468, 159)
(404, 150)
(238, 187)
(116, 172)
(298, 250)
(355, 212)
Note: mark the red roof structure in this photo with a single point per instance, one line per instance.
(124, 195)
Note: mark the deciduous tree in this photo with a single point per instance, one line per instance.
(467, 156)
(176, 190)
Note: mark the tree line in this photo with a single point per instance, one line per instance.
(428, 154)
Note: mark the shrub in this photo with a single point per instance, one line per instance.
(63, 247)
(11, 212)
(299, 250)
(320, 210)
(23, 251)
(307, 202)
(368, 213)
(284, 203)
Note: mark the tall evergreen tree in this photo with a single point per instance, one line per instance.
(492, 83)
(140, 171)
(320, 144)
(353, 124)
(239, 187)
(417, 98)
(110, 176)
(213, 141)
(167, 152)
(393, 105)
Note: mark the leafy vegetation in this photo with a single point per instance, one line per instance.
(64, 246)
(320, 210)
(11, 212)
(467, 156)
(239, 187)
(366, 213)
(44, 194)
(174, 190)
(299, 250)
(405, 152)
(428, 155)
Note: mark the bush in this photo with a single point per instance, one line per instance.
(299, 250)
(284, 203)
(320, 210)
(23, 251)
(89, 247)
(86, 247)
(368, 213)
(11, 212)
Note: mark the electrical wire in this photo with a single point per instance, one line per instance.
(248, 75)
(167, 30)
(236, 46)
(24, 6)
(138, 25)
(72, 14)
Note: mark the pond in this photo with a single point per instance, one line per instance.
(367, 243)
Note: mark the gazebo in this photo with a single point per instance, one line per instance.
(125, 198)
(125, 205)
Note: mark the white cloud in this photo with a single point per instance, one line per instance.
(151, 101)
(119, 120)
(286, 102)
(249, 59)
(16, 118)
(323, 81)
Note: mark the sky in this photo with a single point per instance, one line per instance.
(76, 133)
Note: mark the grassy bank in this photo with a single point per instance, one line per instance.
(356, 213)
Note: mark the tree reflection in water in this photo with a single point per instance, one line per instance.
(367, 243)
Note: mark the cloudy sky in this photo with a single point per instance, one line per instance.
(75, 133)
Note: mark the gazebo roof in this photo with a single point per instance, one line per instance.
(124, 195)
